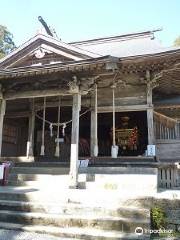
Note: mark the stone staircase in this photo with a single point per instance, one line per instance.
(38, 199)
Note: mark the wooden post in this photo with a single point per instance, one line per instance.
(114, 121)
(30, 143)
(94, 126)
(92, 132)
(75, 141)
(150, 126)
(114, 148)
(150, 120)
(177, 131)
(2, 113)
(43, 129)
(58, 128)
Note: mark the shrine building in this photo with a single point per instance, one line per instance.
(106, 99)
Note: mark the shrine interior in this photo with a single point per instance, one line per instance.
(131, 132)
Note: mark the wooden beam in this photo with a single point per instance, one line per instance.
(65, 103)
(128, 108)
(40, 93)
(75, 141)
(167, 106)
(36, 93)
(2, 113)
(18, 114)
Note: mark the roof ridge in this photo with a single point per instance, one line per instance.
(116, 37)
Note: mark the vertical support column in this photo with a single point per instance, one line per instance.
(92, 132)
(150, 122)
(150, 126)
(177, 130)
(75, 141)
(114, 148)
(94, 126)
(43, 129)
(57, 153)
(30, 143)
(2, 113)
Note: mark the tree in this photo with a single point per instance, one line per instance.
(177, 41)
(6, 41)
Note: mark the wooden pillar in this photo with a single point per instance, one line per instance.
(30, 143)
(94, 126)
(176, 131)
(57, 150)
(75, 141)
(150, 121)
(114, 120)
(150, 126)
(43, 129)
(2, 113)
(114, 148)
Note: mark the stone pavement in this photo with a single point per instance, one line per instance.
(20, 235)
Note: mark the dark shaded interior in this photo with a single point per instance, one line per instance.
(136, 119)
(17, 147)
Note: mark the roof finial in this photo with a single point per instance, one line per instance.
(50, 32)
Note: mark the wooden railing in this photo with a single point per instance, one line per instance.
(169, 177)
(163, 132)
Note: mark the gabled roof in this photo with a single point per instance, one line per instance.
(44, 47)
(57, 67)
(48, 44)
(126, 45)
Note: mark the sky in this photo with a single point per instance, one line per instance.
(75, 20)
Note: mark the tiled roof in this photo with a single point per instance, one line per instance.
(124, 45)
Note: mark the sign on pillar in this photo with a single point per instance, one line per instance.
(151, 150)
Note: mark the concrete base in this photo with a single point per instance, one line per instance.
(95, 151)
(57, 150)
(141, 180)
(114, 151)
(42, 150)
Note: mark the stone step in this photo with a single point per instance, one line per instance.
(79, 209)
(52, 193)
(40, 170)
(34, 194)
(42, 164)
(43, 184)
(75, 233)
(37, 177)
(28, 176)
(44, 180)
(98, 222)
(37, 183)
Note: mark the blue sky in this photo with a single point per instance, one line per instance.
(85, 19)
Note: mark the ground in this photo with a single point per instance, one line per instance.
(19, 235)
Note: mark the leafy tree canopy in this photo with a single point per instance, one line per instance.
(177, 41)
(6, 41)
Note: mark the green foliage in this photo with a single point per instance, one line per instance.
(177, 41)
(158, 218)
(6, 41)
